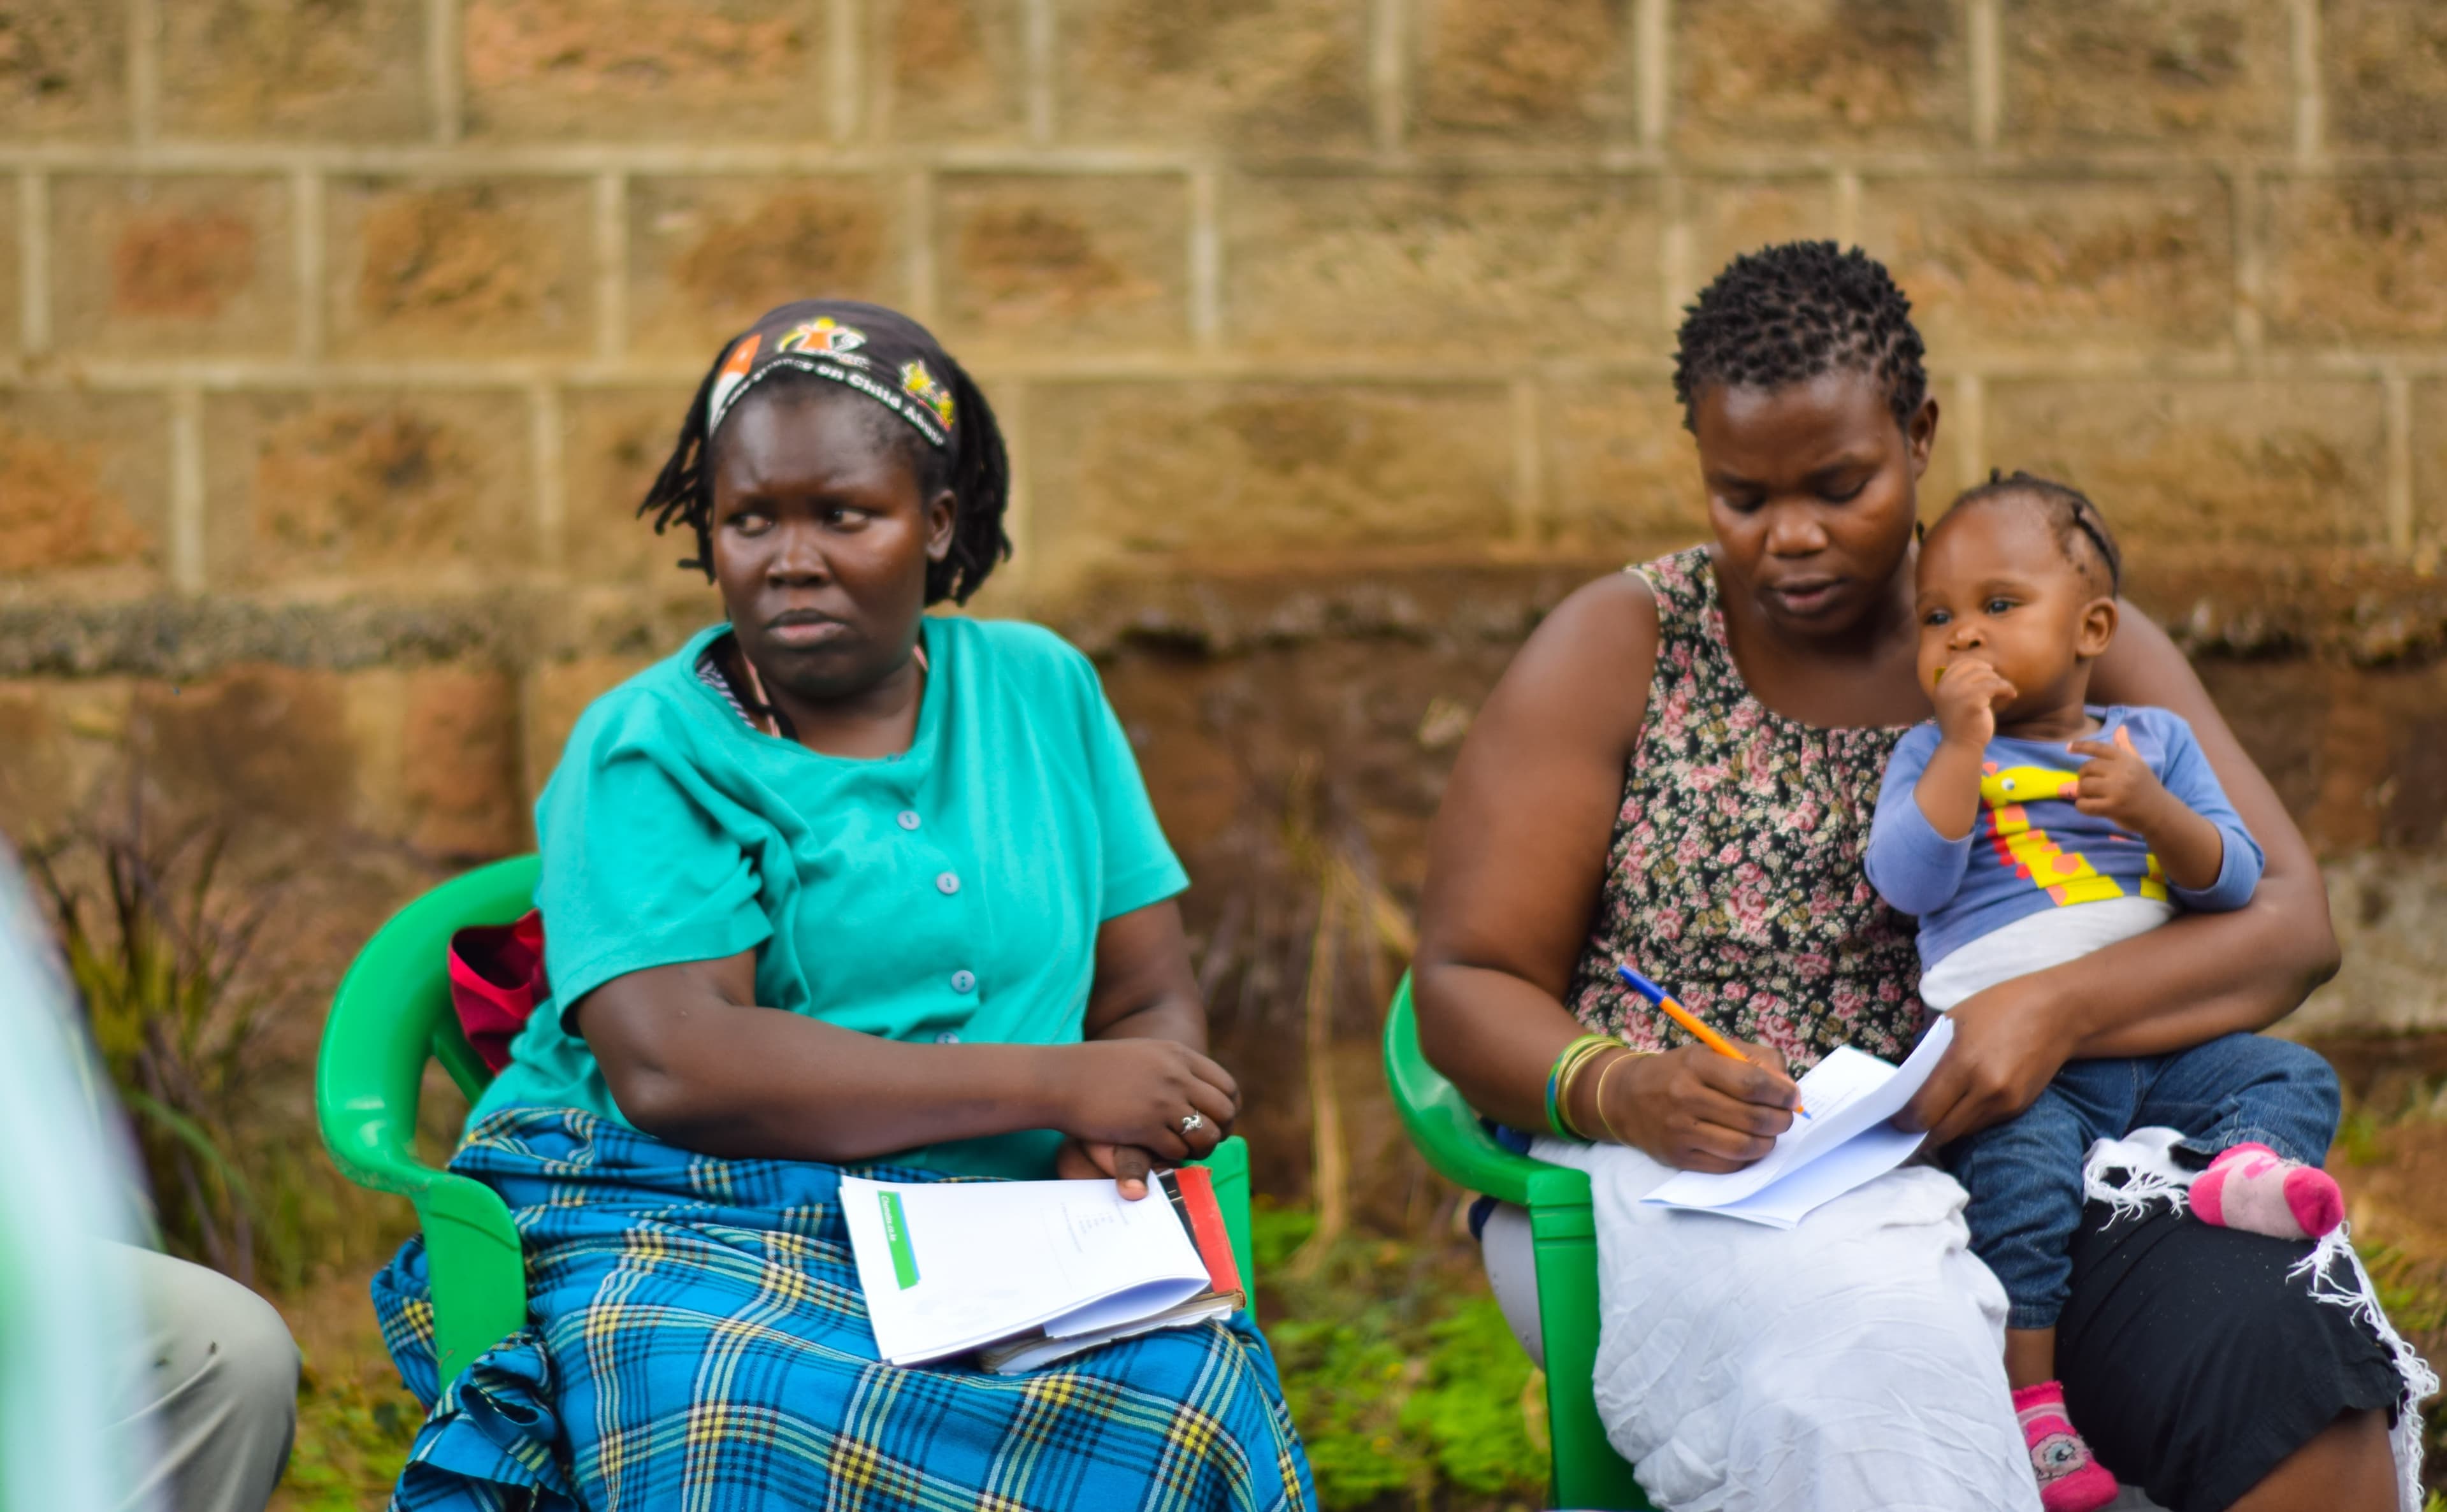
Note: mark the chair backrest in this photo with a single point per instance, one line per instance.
(393, 1011)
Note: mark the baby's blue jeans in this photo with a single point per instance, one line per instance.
(2024, 1175)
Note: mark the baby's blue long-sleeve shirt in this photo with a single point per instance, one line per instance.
(2029, 851)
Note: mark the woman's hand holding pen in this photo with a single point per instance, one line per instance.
(1696, 1109)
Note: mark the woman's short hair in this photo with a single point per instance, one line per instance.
(973, 467)
(1786, 313)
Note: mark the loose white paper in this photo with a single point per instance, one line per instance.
(1851, 1096)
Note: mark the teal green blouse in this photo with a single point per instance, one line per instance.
(950, 893)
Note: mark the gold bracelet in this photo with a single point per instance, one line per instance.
(1628, 1052)
(1568, 1065)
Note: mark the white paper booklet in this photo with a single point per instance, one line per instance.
(1845, 1141)
(953, 1266)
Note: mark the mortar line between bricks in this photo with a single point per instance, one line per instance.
(1018, 511)
(144, 69)
(1674, 279)
(1206, 260)
(2399, 392)
(445, 90)
(187, 490)
(306, 208)
(842, 74)
(917, 217)
(1039, 45)
(2135, 165)
(1387, 69)
(2251, 265)
(1971, 429)
(1618, 135)
(1653, 60)
(34, 263)
(611, 240)
(551, 488)
(1846, 189)
(1986, 81)
(2310, 113)
(1390, 368)
(1528, 465)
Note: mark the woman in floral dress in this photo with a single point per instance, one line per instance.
(1677, 772)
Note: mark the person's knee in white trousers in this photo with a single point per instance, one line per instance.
(215, 1391)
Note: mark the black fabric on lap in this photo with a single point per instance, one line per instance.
(2194, 1366)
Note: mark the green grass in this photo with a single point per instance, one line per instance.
(1407, 1386)
(1406, 1383)
(353, 1435)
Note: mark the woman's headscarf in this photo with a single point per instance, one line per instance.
(889, 359)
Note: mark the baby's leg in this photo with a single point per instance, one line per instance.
(2024, 1180)
(2024, 1177)
(2264, 1110)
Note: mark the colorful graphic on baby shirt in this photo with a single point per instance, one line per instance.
(2065, 876)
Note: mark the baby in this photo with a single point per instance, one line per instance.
(2026, 827)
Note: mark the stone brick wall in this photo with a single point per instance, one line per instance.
(338, 337)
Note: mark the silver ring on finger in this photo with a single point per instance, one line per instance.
(1192, 1123)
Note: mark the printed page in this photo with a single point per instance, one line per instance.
(1847, 1093)
(948, 1266)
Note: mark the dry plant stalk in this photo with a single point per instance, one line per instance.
(1330, 1173)
(1347, 898)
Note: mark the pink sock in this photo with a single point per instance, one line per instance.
(2253, 1188)
(2070, 1478)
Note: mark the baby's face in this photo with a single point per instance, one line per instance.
(1994, 586)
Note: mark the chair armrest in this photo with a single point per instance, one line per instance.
(1447, 1131)
(474, 1260)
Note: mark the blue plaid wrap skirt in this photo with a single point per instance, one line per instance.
(695, 1339)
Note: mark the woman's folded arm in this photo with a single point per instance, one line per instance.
(692, 1059)
(2207, 974)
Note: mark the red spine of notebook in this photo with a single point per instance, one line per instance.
(1206, 1230)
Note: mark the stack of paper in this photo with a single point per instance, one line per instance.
(1845, 1141)
(1029, 1272)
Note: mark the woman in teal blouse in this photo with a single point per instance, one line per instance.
(839, 883)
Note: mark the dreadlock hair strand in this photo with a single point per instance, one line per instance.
(681, 493)
(2079, 529)
(980, 484)
(977, 470)
(1788, 312)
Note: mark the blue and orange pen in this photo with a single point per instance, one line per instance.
(1664, 1002)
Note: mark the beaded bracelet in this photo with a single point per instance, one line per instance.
(1576, 1055)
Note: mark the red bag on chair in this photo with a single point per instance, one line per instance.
(495, 981)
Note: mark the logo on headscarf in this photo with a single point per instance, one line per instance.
(733, 374)
(825, 337)
(922, 386)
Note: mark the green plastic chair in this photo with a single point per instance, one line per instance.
(393, 1012)
(1586, 1472)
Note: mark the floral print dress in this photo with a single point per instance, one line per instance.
(1735, 875)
